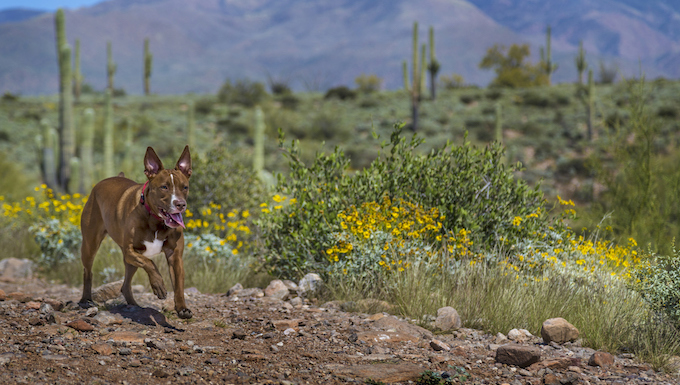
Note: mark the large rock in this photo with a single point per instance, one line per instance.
(13, 268)
(310, 283)
(601, 359)
(447, 319)
(276, 289)
(518, 355)
(107, 291)
(558, 330)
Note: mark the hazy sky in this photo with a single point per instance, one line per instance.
(48, 5)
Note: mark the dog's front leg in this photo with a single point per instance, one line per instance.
(176, 268)
(134, 260)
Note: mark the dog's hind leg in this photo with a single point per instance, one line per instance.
(93, 236)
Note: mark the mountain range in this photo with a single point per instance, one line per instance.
(314, 45)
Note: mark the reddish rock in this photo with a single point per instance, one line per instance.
(19, 296)
(286, 324)
(55, 303)
(3, 296)
(80, 325)
(447, 319)
(551, 379)
(439, 345)
(558, 330)
(103, 349)
(555, 364)
(601, 359)
(276, 289)
(387, 373)
(33, 305)
(518, 355)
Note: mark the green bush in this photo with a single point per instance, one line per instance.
(657, 280)
(472, 188)
(224, 178)
(367, 84)
(341, 93)
(244, 92)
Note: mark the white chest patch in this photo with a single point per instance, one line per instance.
(153, 248)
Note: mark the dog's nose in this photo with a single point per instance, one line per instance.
(180, 205)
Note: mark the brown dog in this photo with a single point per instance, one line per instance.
(143, 220)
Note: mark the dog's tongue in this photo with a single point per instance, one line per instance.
(177, 217)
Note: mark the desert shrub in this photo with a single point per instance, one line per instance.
(657, 280)
(204, 106)
(535, 99)
(341, 92)
(494, 94)
(451, 82)
(327, 124)
(233, 127)
(289, 101)
(486, 199)
(469, 98)
(225, 178)
(244, 92)
(118, 92)
(367, 84)
(369, 102)
(667, 111)
(9, 97)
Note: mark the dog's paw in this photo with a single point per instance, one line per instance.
(184, 313)
(86, 304)
(159, 291)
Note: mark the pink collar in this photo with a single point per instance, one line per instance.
(146, 206)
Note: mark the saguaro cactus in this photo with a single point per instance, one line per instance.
(77, 76)
(258, 158)
(48, 148)
(191, 124)
(66, 130)
(110, 65)
(128, 161)
(433, 67)
(499, 122)
(416, 83)
(109, 168)
(580, 61)
(546, 59)
(148, 61)
(75, 183)
(86, 149)
(590, 109)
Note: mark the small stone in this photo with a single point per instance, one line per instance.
(519, 335)
(160, 374)
(80, 325)
(91, 312)
(601, 359)
(286, 324)
(234, 290)
(296, 302)
(518, 355)
(558, 330)
(33, 305)
(551, 379)
(238, 334)
(46, 308)
(292, 286)
(36, 321)
(447, 319)
(124, 351)
(107, 291)
(311, 282)
(439, 346)
(276, 289)
(55, 303)
(19, 296)
(135, 363)
(375, 317)
(154, 344)
(289, 331)
(525, 373)
(185, 371)
(103, 349)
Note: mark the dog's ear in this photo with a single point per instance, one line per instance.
(184, 163)
(152, 163)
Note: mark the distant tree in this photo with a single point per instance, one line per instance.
(452, 82)
(511, 69)
(368, 83)
(244, 92)
(608, 73)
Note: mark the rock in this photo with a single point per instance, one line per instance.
(19, 296)
(3, 296)
(91, 312)
(160, 374)
(103, 349)
(292, 286)
(254, 292)
(310, 283)
(55, 303)
(296, 302)
(551, 379)
(390, 323)
(46, 308)
(372, 337)
(80, 325)
(124, 351)
(190, 291)
(33, 305)
(601, 359)
(238, 334)
(439, 345)
(447, 319)
(107, 291)
(106, 318)
(276, 289)
(234, 290)
(154, 344)
(13, 268)
(558, 330)
(518, 355)
(286, 324)
(555, 363)
(519, 335)
(500, 338)
(377, 372)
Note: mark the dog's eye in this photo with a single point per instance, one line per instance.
(186, 188)
(164, 187)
